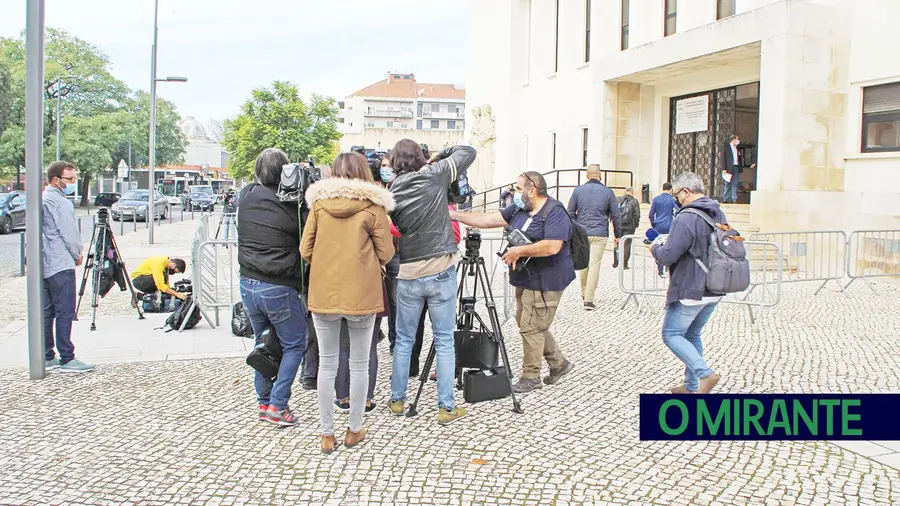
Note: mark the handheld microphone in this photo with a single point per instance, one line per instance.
(652, 237)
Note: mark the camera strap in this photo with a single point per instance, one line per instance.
(527, 224)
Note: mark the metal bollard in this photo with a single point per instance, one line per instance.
(121, 226)
(79, 226)
(22, 253)
(134, 222)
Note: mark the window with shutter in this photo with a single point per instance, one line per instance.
(881, 118)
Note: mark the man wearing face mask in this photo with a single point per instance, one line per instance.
(61, 253)
(153, 275)
(540, 285)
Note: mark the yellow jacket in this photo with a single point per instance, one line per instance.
(157, 267)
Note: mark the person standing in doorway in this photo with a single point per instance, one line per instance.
(731, 169)
(592, 206)
(630, 215)
(662, 211)
(61, 253)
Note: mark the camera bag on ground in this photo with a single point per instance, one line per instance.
(475, 350)
(485, 385)
(266, 356)
(579, 246)
(727, 268)
(165, 304)
(240, 322)
(175, 320)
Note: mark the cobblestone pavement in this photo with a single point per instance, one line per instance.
(186, 432)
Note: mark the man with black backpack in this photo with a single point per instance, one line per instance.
(706, 260)
(630, 215)
(539, 271)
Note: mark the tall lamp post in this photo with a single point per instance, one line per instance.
(151, 207)
(59, 114)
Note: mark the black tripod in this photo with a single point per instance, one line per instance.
(229, 222)
(472, 265)
(102, 239)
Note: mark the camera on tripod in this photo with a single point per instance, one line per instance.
(473, 243)
(103, 216)
(296, 178)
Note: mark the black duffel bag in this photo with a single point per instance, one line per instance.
(240, 321)
(266, 356)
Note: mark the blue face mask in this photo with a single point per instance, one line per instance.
(387, 174)
(517, 200)
(69, 189)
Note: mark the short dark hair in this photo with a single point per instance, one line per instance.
(534, 178)
(179, 264)
(733, 137)
(407, 156)
(268, 166)
(56, 169)
(667, 186)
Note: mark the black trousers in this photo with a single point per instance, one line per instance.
(627, 252)
(145, 284)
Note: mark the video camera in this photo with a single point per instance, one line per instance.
(183, 286)
(459, 190)
(296, 178)
(515, 237)
(473, 243)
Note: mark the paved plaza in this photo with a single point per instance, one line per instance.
(174, 431)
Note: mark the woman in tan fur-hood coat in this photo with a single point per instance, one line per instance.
(346, 241)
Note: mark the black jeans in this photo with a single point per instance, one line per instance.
(627, 252)
(310, 370)
(417, 346)
(145, 284)
(392, 269)
(342, 382)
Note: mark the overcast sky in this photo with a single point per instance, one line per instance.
(228, 47)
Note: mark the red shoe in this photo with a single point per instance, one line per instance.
(263, 408)
(283, 417)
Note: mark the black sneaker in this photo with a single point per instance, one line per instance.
(342, 407)
(523, 386)
(309, 384)
(589, 306)
(554, 376)
(370, 407)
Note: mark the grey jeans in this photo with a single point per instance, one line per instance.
(328, 332)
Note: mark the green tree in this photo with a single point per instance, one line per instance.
(277, 117)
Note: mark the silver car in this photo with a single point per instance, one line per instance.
(133, 206)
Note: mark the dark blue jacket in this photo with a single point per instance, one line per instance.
(661, 212)
(592, 206)
(689, 235)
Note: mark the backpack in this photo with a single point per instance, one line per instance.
(175, 320)
(579, 246)
(166, 303)
(240, 322)
(727, 268)
(626, 214)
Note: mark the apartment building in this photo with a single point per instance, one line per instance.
(386, 111)
(657, 87)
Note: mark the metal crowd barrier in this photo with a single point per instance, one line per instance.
(872, 253)
(810, 256)
(642, 281)
(206, 263)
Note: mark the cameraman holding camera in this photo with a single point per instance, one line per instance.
(428, 258)
(271, 280)
(540, 283)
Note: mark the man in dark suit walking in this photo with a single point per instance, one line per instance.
(731, 169)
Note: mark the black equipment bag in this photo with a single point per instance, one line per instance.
(266, 356)
(485, 385)
(240, 322)
(175, 320)
(475, 350)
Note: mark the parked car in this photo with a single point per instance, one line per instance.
(106, 199)
(202, 202)
(12, 211)
(133, 205)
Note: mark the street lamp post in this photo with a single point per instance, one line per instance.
(151, 208)
(59, 115)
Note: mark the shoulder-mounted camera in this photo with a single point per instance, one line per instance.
(296, 178)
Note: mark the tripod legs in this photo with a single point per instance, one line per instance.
(466, 318)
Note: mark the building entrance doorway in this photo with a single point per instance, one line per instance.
(701, 125)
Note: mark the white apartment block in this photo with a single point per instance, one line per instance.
(657, 87)
(384, 112)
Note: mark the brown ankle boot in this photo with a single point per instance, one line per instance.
(352, 439)
(328, 443)
(706, 384)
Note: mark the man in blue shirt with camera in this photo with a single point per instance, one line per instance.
(543, 279)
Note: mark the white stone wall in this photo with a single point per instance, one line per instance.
(385, 138)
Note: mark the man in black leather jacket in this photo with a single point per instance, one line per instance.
(428, 258)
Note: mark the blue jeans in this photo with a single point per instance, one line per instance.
(681, 330)
(281, 307)
(438, 292)
(59, 305)
(392, 270)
